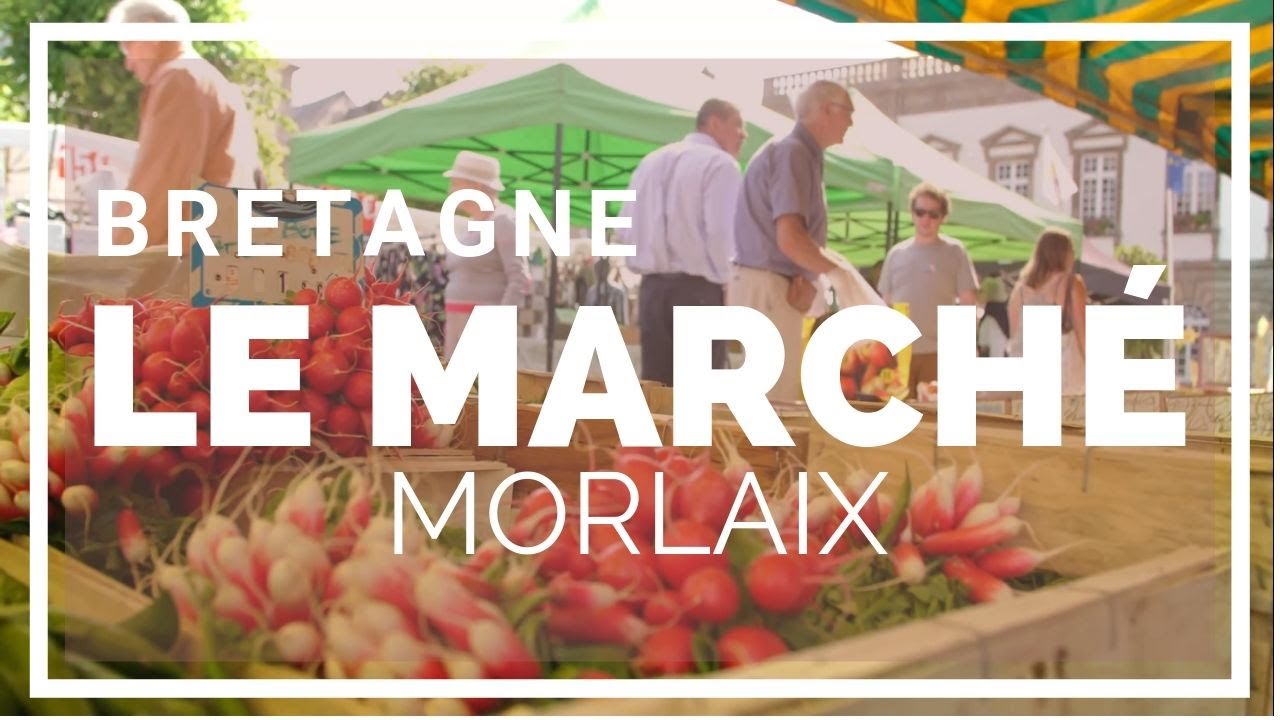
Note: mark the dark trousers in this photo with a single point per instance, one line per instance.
(659, 295)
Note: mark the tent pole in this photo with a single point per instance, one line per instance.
(888, 228)
(554, 266)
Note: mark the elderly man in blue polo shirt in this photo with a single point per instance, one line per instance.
(780, 226)
(682, 229)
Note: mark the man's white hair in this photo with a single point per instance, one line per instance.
(148, 11)
(821, 91)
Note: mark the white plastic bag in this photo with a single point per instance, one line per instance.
(71, 277)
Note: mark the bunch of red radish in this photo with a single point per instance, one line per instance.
(340, 598)
(653, 604)
(948, 521)
(70, 467)
(171, 374)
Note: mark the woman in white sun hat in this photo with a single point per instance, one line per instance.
(499, 277)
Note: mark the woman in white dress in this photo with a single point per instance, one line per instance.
(1048, 279)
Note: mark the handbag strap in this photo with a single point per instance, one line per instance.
(1068, 324)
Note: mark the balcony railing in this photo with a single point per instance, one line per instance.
(894, 69)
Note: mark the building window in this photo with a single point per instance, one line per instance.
(1193, 207)
(1014, 175)
(1099, 192)
(1011, 156)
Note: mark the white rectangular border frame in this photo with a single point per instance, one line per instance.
(453, 40)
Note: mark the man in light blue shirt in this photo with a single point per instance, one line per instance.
(682, 229)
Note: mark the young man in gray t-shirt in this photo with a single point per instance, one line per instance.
(925, 272)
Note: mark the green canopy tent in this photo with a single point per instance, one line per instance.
(580, 126)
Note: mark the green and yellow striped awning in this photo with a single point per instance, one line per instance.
(1175, 94)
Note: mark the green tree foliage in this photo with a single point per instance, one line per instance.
(89, 87)
(1138, 255)
(424, 80)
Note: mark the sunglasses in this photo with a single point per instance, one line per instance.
(931, 214)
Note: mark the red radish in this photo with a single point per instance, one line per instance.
(348, 647)
(343, 420)
(326, 372)
(201, 317)
(342, 293)
(160, 469)
(159, 367)
(306, 296)
(624, 571)
(304, 507)
(615, 624)
(351, 346)
(968, 490)
(316, 404)
(355, 518)
(582, 593)
(500, 652)
(15, 474)
(982, 586)
(65, 457)
(710, 595)
(778, 583)
(299, 350)
(448, 607)
(133, 544)
(1009, 505)
(662, 608)
(231, 603)
(320, 321)
(748, 645)
(203, 542)
(171, 579)
(564, 556)
(1017, 561)
(375, 618)
(158, 336)
(966, 541)
(980, 514)
(81, 350)
(287, 585)
(675, 569)
(189, 340)
(180, 386)
(21, 504)
(201, 453)
(640, 466)
(705, 498)
(79, 500)
(199, 403)
(299, 643)
(231, 562)
(666, 652)
(907, 563)
(354, 321)
(359, 389)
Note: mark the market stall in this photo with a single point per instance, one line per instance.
(1173, 94)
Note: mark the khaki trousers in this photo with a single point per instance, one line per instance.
(766, 292)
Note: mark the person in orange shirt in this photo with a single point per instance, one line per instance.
(193, 126)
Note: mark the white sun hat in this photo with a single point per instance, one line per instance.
(477, 168)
